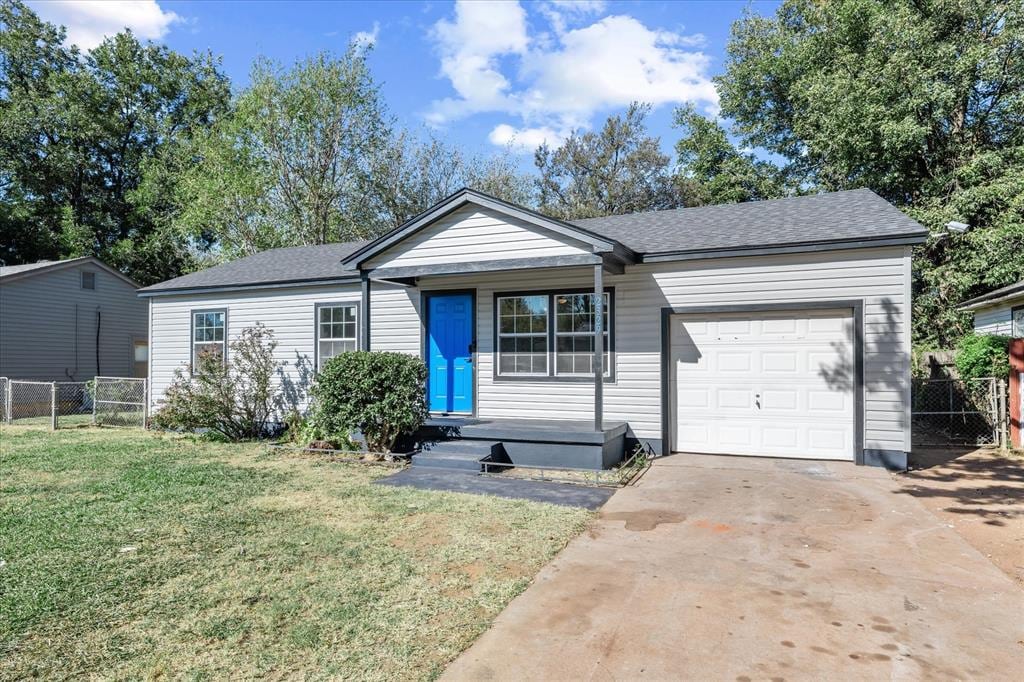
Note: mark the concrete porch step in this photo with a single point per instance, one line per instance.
(456, 454)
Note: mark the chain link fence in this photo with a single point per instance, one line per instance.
(104, 401)
(959, 411)
(120, 401)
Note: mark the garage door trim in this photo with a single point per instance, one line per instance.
(857, 305)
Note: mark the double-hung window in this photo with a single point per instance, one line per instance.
(1017, 322)
(336, 331)
(208, 334)
(523, 335)
(575, 316)
(550, 334)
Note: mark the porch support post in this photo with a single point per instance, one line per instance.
(598, 346)
(364, 341)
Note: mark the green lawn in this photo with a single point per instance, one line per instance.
(130, 554)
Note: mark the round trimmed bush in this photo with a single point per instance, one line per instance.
(380, 394)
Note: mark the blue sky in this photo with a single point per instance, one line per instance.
(483, 74)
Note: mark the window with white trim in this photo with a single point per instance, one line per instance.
(550, 335)
(1017, 326)
(574, 334)
(88, 280)
(523, 335)
(208, 334)
(336, 331)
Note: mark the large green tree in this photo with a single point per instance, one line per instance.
(921, 101)
(292, 162)
(415, 172)
(710, 170)
(618, 169)
(78, 136)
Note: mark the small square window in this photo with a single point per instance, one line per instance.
(89, 280)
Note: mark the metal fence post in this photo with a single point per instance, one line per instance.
(95, 394)
(10, 409)
(1002, 390)
(53, 406)
(145, 404)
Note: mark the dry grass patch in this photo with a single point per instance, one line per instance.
(131, 554)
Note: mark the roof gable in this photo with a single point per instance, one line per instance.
(475, 233)
(521, 218)
(12, 272)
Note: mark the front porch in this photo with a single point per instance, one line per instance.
(463, 443)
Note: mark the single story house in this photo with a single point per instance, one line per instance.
(999, 312)
(775, 328)
(71, 320)
(1002, 312)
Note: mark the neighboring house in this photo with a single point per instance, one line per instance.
(776, 328)
(999, 312)
(70, 320)
(1002, 312)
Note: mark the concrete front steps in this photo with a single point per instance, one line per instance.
(463, 455)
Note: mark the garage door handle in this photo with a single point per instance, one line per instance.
(757, 400)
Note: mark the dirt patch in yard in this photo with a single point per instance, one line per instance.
(979, 493)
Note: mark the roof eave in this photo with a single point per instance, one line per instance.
(149, 292)
(988, 300)
(71, 262)
(792, 247)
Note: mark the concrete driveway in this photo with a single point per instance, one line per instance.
(747, 569)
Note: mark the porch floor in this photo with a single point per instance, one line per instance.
(463, 442)
(546, 430)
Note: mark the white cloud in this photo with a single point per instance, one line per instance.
(525, 139)
(88, 22)
(367, 38)
(552, 84)
(470, 47)
(559, 13)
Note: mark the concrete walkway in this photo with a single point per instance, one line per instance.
(745, 569)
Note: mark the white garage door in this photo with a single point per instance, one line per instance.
(776, 383)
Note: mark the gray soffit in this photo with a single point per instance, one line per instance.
(854, 215)
(290, 266)
(993, 297)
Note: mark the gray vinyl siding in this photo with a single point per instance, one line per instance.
(879, 276)
(39, 339)
(476, 234)
(996, 319)
(289, 313)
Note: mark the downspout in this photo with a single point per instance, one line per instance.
(99, 320)
(72, 375)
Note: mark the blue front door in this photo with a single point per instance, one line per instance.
(450, 353)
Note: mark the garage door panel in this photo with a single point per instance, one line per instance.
(765, 384)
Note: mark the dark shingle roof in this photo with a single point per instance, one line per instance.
(1006, 292)
(851, 215)
(840, 216)
(8, 270)
(291, 264)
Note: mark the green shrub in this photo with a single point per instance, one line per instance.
(380, 394)
(233, 399)
(983, 355)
